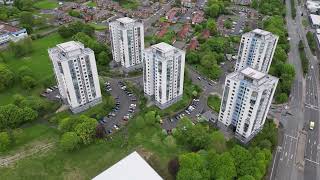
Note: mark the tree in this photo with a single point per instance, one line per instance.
(213, 10)
(103, 59)
(4, 141)
(70, 123)
(218, 141)
(29, 114)
(24, 71)
(86, 130)
(212, 26)
(192, 167)
(6, 77)
(282, 98)
(192, 57)
(27, 21)
(225, 168)
(70, 141)
(150, 118)
(215, 72)
(10, 116)
(247, 177)
(74, 13)
(100, 131)
(21, 48)
(28, 82)
(173, 166)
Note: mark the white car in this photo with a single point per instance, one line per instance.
(311, 125)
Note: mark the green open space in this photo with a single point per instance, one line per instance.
(91, 4)
(98, 27)
(89, 161)
(38, 62)
(214, 102)
(46, 4)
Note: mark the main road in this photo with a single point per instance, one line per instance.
(297, 157)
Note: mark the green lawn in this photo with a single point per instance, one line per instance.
(214, 102)
(33, 133)
(46, 4)
(130, 4)
(38, 62)
(92, 4)
(98, 27)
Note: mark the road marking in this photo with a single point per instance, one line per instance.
(292, 137)
(311, 161)
(291, 156)
(275, 157)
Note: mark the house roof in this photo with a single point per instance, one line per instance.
(193, 44)
(183, 32)
(132, 167)
(8, 28)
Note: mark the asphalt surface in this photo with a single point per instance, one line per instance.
(125, 102)
(208, 87)
(303, 106)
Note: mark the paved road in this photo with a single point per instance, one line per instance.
(304, 107)
(155, 17)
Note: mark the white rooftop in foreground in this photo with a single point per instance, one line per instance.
(252, 73)
(132, 167)
(125, 20)
(315, 19)
(164, 47)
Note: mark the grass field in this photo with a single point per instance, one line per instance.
(38, 62)
(46, 4)
(92, 4)
(98, 27)
(93, 159)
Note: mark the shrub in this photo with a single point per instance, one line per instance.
(69, 141)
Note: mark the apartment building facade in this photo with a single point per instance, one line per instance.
(163, 74)
(246, 99)
(76, 74)
(256, 50)
(127, 42)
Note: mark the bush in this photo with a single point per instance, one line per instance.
(312, 42)
(70, 141)
(74, 28)
(282, 98)
(75, 13)
(4, 141)
(21, 48)
(28, 82)
(6, 77)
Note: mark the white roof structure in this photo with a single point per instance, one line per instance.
(261, 32)
(164, 47)
(70, 46)
(132, 167)
(254, 74)
(315, 19)
(125, 20)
